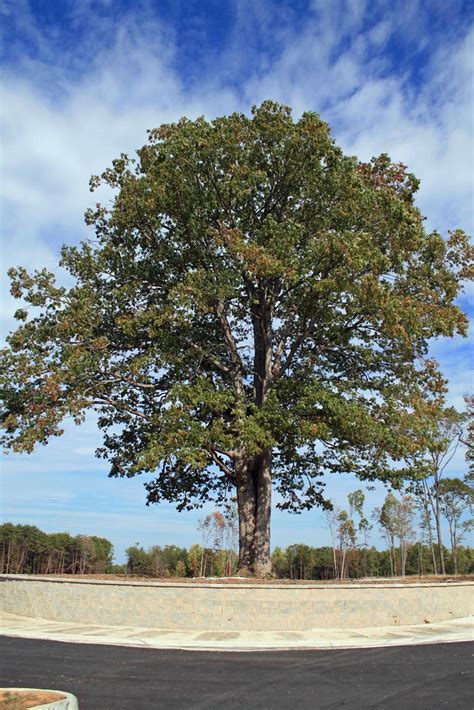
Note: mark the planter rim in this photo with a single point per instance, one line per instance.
(73, 579)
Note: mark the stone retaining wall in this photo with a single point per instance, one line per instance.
(198, 607)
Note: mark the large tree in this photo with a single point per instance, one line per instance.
(253, 312)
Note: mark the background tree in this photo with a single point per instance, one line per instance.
(456, 498)
(158, 564)
(356, 505)
(331, 515)
(253, 313)
(404, 518)
(231, 533)
(180, 569)
(426, 527)
(346, 536)
(62, 550)
(194, 559)
(212, 528)
(445, 427)
(280, 563)
(468, 435)
(300, 561)
(396, 520)
(172, 556)
(386, 518)
(139, 562)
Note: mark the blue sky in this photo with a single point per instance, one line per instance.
(83, 80)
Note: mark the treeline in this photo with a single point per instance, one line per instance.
(25, 549)
(295, 562)
(305, 562)
(173, 561)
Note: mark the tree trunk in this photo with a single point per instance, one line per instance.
(254, 473)
(403, 555)
(433, 554)
(454, 555)
(262, 562)
(343, 563)
(9, 554)
(438, 533)
(435, 507)
(428, 524)
(254, 503)
(394, 556)
(246, 502)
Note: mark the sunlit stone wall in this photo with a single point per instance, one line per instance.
(230, 607)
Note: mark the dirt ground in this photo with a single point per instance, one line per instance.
(22, 699)
(412, 579)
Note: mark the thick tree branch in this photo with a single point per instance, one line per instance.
(237, 365)
(219, 462)
(210, 358)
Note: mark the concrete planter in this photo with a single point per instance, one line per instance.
(66, 701)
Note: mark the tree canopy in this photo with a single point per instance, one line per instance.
(254, 310)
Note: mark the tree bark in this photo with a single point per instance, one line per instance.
(334, 558)
(403, 555)
(394, 554)
(426, 504)
(454, 556)
(438, 527)
(343, 563)
(254, 473)
(262, 562)
(247, 503)
(254, 504)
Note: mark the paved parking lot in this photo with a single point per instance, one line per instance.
(106, 677)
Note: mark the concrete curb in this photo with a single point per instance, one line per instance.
(454, 631)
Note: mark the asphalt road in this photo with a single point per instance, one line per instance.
(106, 677)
